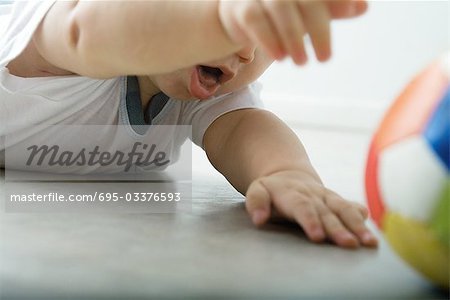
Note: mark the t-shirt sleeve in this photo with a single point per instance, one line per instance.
(201, 114)
(25, 18)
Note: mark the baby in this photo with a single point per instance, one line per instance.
(182, 63)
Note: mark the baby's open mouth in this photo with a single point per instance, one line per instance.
(206, 80)
(209, 76)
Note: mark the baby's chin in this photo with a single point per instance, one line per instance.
(186, 96)
(181, 96)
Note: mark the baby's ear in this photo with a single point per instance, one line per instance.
(346, 9)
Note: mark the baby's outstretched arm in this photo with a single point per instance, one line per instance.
(264, 159)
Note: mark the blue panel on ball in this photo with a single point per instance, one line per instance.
(437, 131)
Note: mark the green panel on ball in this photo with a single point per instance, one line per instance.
(440, 220)
(418, 245)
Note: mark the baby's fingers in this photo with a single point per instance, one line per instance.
(353, 216)
(258, 203)
(336, 231)
(340, 9)
(316, 17)
(306, 215)
(289, 26)
(301, 209)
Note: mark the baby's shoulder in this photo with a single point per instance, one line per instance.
(31, 64)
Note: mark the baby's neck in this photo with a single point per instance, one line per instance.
(147, 90)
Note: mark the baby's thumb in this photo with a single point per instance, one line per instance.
(257, 203)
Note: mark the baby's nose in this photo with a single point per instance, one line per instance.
(246, 55)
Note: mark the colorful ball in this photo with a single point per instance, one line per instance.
(407, 173)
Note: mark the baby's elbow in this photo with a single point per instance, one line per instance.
(73, 29)
(80, 37)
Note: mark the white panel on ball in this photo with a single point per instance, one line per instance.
(445, 64)
(410, 178)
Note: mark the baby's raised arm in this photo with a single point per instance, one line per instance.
(111, 38)
(105, 39)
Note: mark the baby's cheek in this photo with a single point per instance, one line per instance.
(247, 74)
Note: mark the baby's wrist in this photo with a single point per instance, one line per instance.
(304, 172)
(228, 23)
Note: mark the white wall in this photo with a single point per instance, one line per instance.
(374, 55)
(4, 10)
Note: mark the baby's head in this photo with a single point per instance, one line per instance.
(214, 78)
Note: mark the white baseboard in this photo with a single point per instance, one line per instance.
(5, 9)
(338, 114)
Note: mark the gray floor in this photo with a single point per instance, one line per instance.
(211, 252)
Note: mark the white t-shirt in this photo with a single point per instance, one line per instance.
(75, 100)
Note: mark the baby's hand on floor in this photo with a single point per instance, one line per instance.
(299, 197)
